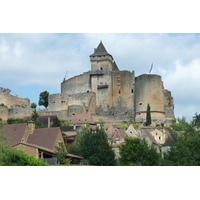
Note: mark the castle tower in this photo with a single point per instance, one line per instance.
(149, 89)
(101, 60)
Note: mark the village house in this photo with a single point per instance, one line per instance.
(131, 132)
(69, 134)
(114, 135)
(160, 135)
(145, 134)
(79, 119)
(39, 143)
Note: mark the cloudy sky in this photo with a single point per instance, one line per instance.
(32, 63)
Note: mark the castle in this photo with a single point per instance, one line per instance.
(107, 91)
(103, 91)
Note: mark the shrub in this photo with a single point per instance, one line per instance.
(13, 157)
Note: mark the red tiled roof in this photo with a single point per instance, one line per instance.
(79, 119)
(44, 137)
(151, 137)
(146, 131)
(14, 132)
(114, 133)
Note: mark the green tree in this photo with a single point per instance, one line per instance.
(94, 147)
(34, 118)
(56, 122)
(148, 115)
(180, 124)
(196, 121)
(61, 153)
(33, 105)
(74, 149)
(137, 152)
(60, 122)
(184, 150)
(43, 99)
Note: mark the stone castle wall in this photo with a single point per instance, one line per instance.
(14, 102)
(19, 112)
(169, 105)
(76, 85)
(15, 107)
(59, 102)
(149, 90)
(3, 112)
(123, 89)
(104, 63)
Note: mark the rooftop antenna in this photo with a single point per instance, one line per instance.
(65, 75)
(151, 68)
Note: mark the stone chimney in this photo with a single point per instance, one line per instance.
(49, 122)
(31, 126)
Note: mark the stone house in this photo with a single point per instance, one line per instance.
(69, 134)
(160, 136)
(131, 132)
(39, 143)
(146, 134)
(114, 135)
(79, 119)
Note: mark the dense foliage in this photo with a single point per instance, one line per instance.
(60, 122)
(196, 121)
(16, 121)
(61, 153)
(180, 124)
(184, 150)
(137, 152)
(93, 146)
(33, 105)
(34, 117)
(43, 99)
(10, 156)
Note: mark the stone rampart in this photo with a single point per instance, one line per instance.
(3, 112)
(77, 84)
(19, 112)
(149, 90)
(14, 102)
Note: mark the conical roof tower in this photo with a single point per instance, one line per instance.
(100, 51)
(101, 60)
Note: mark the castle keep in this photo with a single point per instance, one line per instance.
(107, 91)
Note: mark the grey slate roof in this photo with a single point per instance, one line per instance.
(115, 66)
(100, 51)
